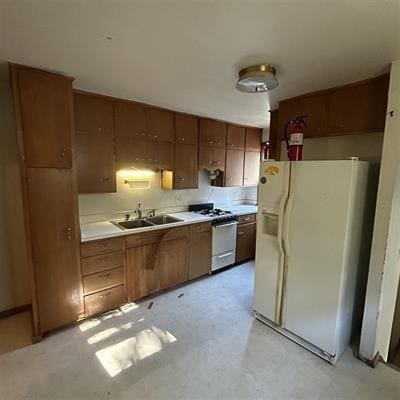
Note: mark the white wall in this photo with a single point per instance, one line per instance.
(366, 146)
(14, 276)
(384, 265)
(94, 207)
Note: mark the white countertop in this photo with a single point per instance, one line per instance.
(106, 229)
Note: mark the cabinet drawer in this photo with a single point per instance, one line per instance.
(102, 246)
(245, 219)
(199, 228)
(144, 239)
(105, 300)
(104, 279)
(91, 265)
(176, 233)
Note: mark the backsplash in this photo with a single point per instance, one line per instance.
(102, 206)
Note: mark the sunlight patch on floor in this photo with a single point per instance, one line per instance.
(118, 357)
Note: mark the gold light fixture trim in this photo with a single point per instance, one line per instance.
(257, 78)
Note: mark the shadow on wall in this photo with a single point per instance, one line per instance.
(14, 273)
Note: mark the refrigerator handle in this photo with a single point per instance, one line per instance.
(286, 225)
(280, 222)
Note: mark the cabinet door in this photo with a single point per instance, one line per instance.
(212, 133)
(274, 140)
(143, 274)
(212, 158)
(173, 262)
(186, 167)
(358, 108)
(160, 155)
(95, 163)
(55, 245)
(130, 151)
(130, 120)
(245, 243)
(94, 115)
(253, 139)
(46, 110)
(200, 254)
(251, 168)
(186, 129)
(160, 124)
(235, 138)
(234, 167)
(314, 107)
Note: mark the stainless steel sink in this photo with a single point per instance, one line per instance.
(136, 223)
(141, 223)
(163, 219)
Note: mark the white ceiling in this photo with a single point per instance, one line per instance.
(185, 55)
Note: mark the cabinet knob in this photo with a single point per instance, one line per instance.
(104, 276)
(240, 233)
(68, 233)
(181, 179)
(182, 138)
(105, 295)
(64, 153)
(210, 141)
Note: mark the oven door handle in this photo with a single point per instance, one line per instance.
(225, 255)
(224, 225)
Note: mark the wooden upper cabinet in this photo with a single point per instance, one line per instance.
(359, 107)
(253, 139)
(212, 158)
(45, 117)
(94, 157)
(186, 129)
(94, 115)
(235, 138)
(274, 140)
(234, 167)
(212, 133)
(133, 120)
(160, 124)
(144, 153)
(130, 120)
(251, 168)
(54, 231)
(185, 169)
(313, 106)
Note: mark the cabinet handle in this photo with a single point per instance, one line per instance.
(104, 179)
(105, 295)
(240, 233)
(103, 276)
(210, 141)
(182, 139)
(64, 153)
(68, 233)
(181, 179)
(247, 219)
(103, 259)
(104, 245)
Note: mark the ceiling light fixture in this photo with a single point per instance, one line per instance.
(257, 79)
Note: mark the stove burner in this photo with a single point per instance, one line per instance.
(213, 212)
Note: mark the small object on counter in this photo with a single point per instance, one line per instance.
(182, 294)
(150, 305)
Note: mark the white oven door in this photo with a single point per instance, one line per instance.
(223, 245)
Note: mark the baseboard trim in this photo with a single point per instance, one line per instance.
(15, 310)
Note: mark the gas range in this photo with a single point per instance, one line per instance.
(207, 209)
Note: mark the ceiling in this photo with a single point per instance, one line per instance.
(185, 55)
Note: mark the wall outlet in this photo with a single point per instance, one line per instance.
(178, 198)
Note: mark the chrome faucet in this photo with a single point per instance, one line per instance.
(138, 211)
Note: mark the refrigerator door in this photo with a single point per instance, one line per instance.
(272, 196)
(314, 238)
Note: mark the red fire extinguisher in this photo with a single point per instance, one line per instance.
(294, 145)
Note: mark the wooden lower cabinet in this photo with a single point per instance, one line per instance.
(157, 261)
(104, 300)
(54, 232)
(173, 262)
(245, 241)
(200, 250)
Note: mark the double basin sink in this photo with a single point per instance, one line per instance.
(141, 223)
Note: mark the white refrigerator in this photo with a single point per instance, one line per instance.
(313, 242)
